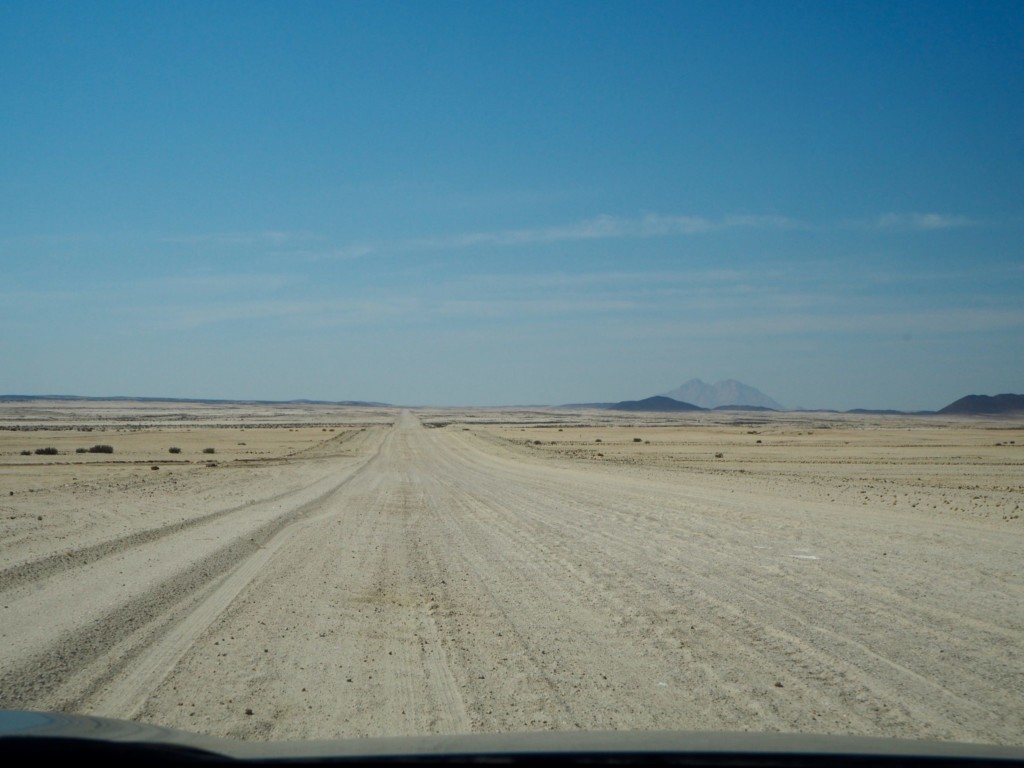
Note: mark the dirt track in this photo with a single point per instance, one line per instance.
(446, 580)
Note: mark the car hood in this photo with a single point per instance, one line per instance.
(32, 729)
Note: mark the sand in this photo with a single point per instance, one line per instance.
(344, 572)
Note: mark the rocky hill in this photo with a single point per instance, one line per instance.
(983, 405)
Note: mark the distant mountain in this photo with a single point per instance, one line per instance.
(656, 403)
(744, 408)
(193, 400)
(984, 405)
(728, 392)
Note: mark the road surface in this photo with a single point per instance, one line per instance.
(437, 581)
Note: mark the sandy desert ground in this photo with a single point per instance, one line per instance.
(338, 572)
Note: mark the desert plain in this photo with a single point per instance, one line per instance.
(310, 571)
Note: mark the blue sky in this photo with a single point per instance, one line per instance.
(507, 203)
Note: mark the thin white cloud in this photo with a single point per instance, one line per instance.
(922, 221)
(312, 312)
(531, 307)
(244, 239)
(354, 251)
(599, 228)
(921, 323)
(410, 309)
(611, 280)
(763, 222)
(189, 318)
(607, 227)
(603, 227)
(221, 283)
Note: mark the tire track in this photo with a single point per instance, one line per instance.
(750, 623)
(60, 562)
(108, 644)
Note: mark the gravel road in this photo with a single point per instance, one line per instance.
(440, 581)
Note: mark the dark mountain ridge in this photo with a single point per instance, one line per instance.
(656, 403)
(985, 405)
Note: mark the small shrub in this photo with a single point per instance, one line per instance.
(536, 442)
(154, 467)
(26, 453)
(209, 450)
(637, 440)
(598, 440)
(81, 450)
(102, 449)
(46, 451)
(719, 455)
(174, 450)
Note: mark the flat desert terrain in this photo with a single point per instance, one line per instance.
(330, 572)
